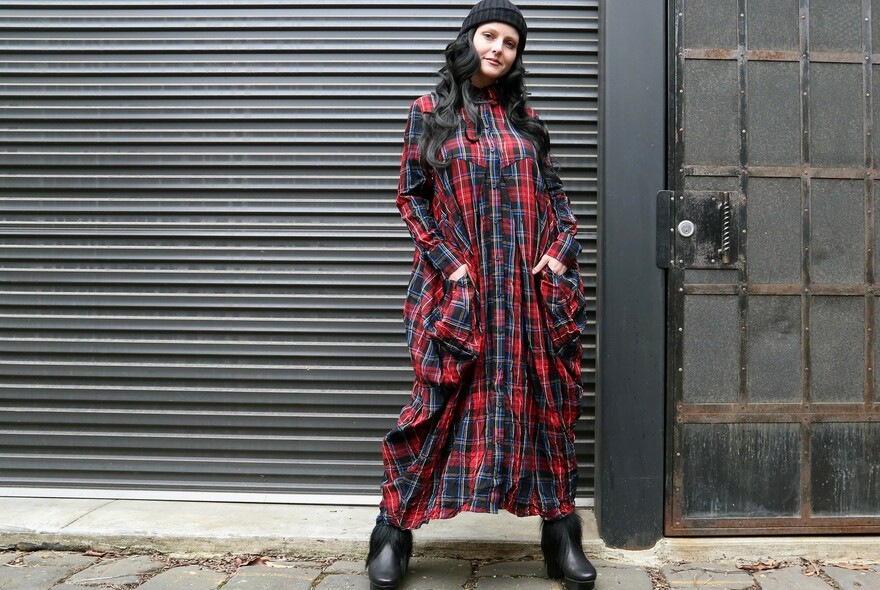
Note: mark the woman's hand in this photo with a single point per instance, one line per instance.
(460, 272)
(557, 267)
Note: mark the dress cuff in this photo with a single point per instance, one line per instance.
(444, 259)
(565, 249)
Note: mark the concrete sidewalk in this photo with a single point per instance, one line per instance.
(321, 547)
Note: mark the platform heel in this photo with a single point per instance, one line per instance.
(561, 544)
(388, 559)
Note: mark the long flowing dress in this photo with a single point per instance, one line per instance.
(497, 357)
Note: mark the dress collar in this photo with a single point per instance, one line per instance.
(486, 95)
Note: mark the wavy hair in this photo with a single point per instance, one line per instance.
(455, 93)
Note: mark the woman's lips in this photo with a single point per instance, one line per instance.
(494, 62)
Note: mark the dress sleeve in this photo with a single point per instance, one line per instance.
(414, 195)
(565, 248)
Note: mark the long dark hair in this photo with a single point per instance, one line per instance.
(455, 92)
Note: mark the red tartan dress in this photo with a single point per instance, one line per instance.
(496, 359)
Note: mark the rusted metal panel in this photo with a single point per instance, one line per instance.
(835, 25)
(874, 89)
(697, 276)
(773, 25)
(836, 113)
(837, 249)
(711, 23)
(711, 349)
(741, 470)
(693, 182)
(711, 101)
(844, 477)
(774, 344)
(837, 349)
(774, 133)
(774, 229)
(694, 172)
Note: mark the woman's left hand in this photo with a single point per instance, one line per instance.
(557, 267)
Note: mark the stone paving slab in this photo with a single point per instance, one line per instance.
(70, 561)
(616, 576)
(523, 583)
(344, 582)
(261, 577)
(190, 577)
(31, 578)
(346, 567)
(436, 574)
(128, 570)
(853, 579)
(787, 578)
(533, 568)
(702, 575)
(41, 570)
(287, 563)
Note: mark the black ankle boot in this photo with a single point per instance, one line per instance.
(561, 543)
(390, 550)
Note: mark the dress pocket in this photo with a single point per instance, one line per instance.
(453, 324)
(566, 308)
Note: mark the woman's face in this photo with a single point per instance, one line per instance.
(496, 45)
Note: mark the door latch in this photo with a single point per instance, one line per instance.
(701, 229)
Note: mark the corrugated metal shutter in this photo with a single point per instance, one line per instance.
(201, 264)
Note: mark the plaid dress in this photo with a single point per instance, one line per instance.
(496, 357)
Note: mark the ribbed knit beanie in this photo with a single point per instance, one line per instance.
(501, 11)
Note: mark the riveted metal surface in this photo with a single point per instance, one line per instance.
(718, 456)
(842, 451)
(799, 89)
(837, 112)
(774, 133)
(838, 231)
(774, 230)
(773, 25)
(774, 343)
(202, 268)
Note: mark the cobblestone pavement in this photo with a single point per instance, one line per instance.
(59, 570)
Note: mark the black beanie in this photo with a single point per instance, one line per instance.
(501, 11)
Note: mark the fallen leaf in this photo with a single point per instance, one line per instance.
(285, 566)
(262, 560)
(812, 568)
(767, 564)
(91, 553)
(853, 566)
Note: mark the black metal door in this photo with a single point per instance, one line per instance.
(774, 422)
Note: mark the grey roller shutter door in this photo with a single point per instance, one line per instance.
(201, 264)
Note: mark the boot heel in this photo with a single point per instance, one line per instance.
(553, 569)
(572, 585)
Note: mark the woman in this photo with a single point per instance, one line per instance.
(493, 313)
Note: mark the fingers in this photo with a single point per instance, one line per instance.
(459, 272)
(557, 267)
(541, 264)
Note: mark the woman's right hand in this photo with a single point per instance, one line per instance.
(459, 272)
